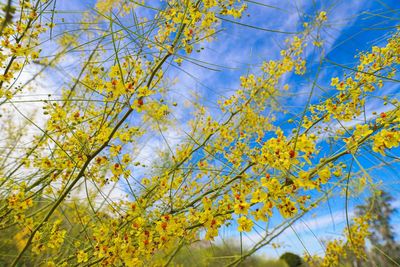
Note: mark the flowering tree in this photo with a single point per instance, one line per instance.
(237, 167)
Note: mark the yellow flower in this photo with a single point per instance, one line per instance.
(385, 139)
(334, 81)
(82, 256)
(241, 207)
(245, 224)
(324, 175)
(322, 16)
(287, 208)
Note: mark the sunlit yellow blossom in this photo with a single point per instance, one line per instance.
(244, 224)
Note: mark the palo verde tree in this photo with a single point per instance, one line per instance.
(236, 167)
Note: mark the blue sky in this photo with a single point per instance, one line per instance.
(352, 26)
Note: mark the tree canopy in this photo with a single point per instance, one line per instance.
(107, 159)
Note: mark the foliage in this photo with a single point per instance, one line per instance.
(236, 167)
(220, 255)
(385, 249)
(292, 259)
